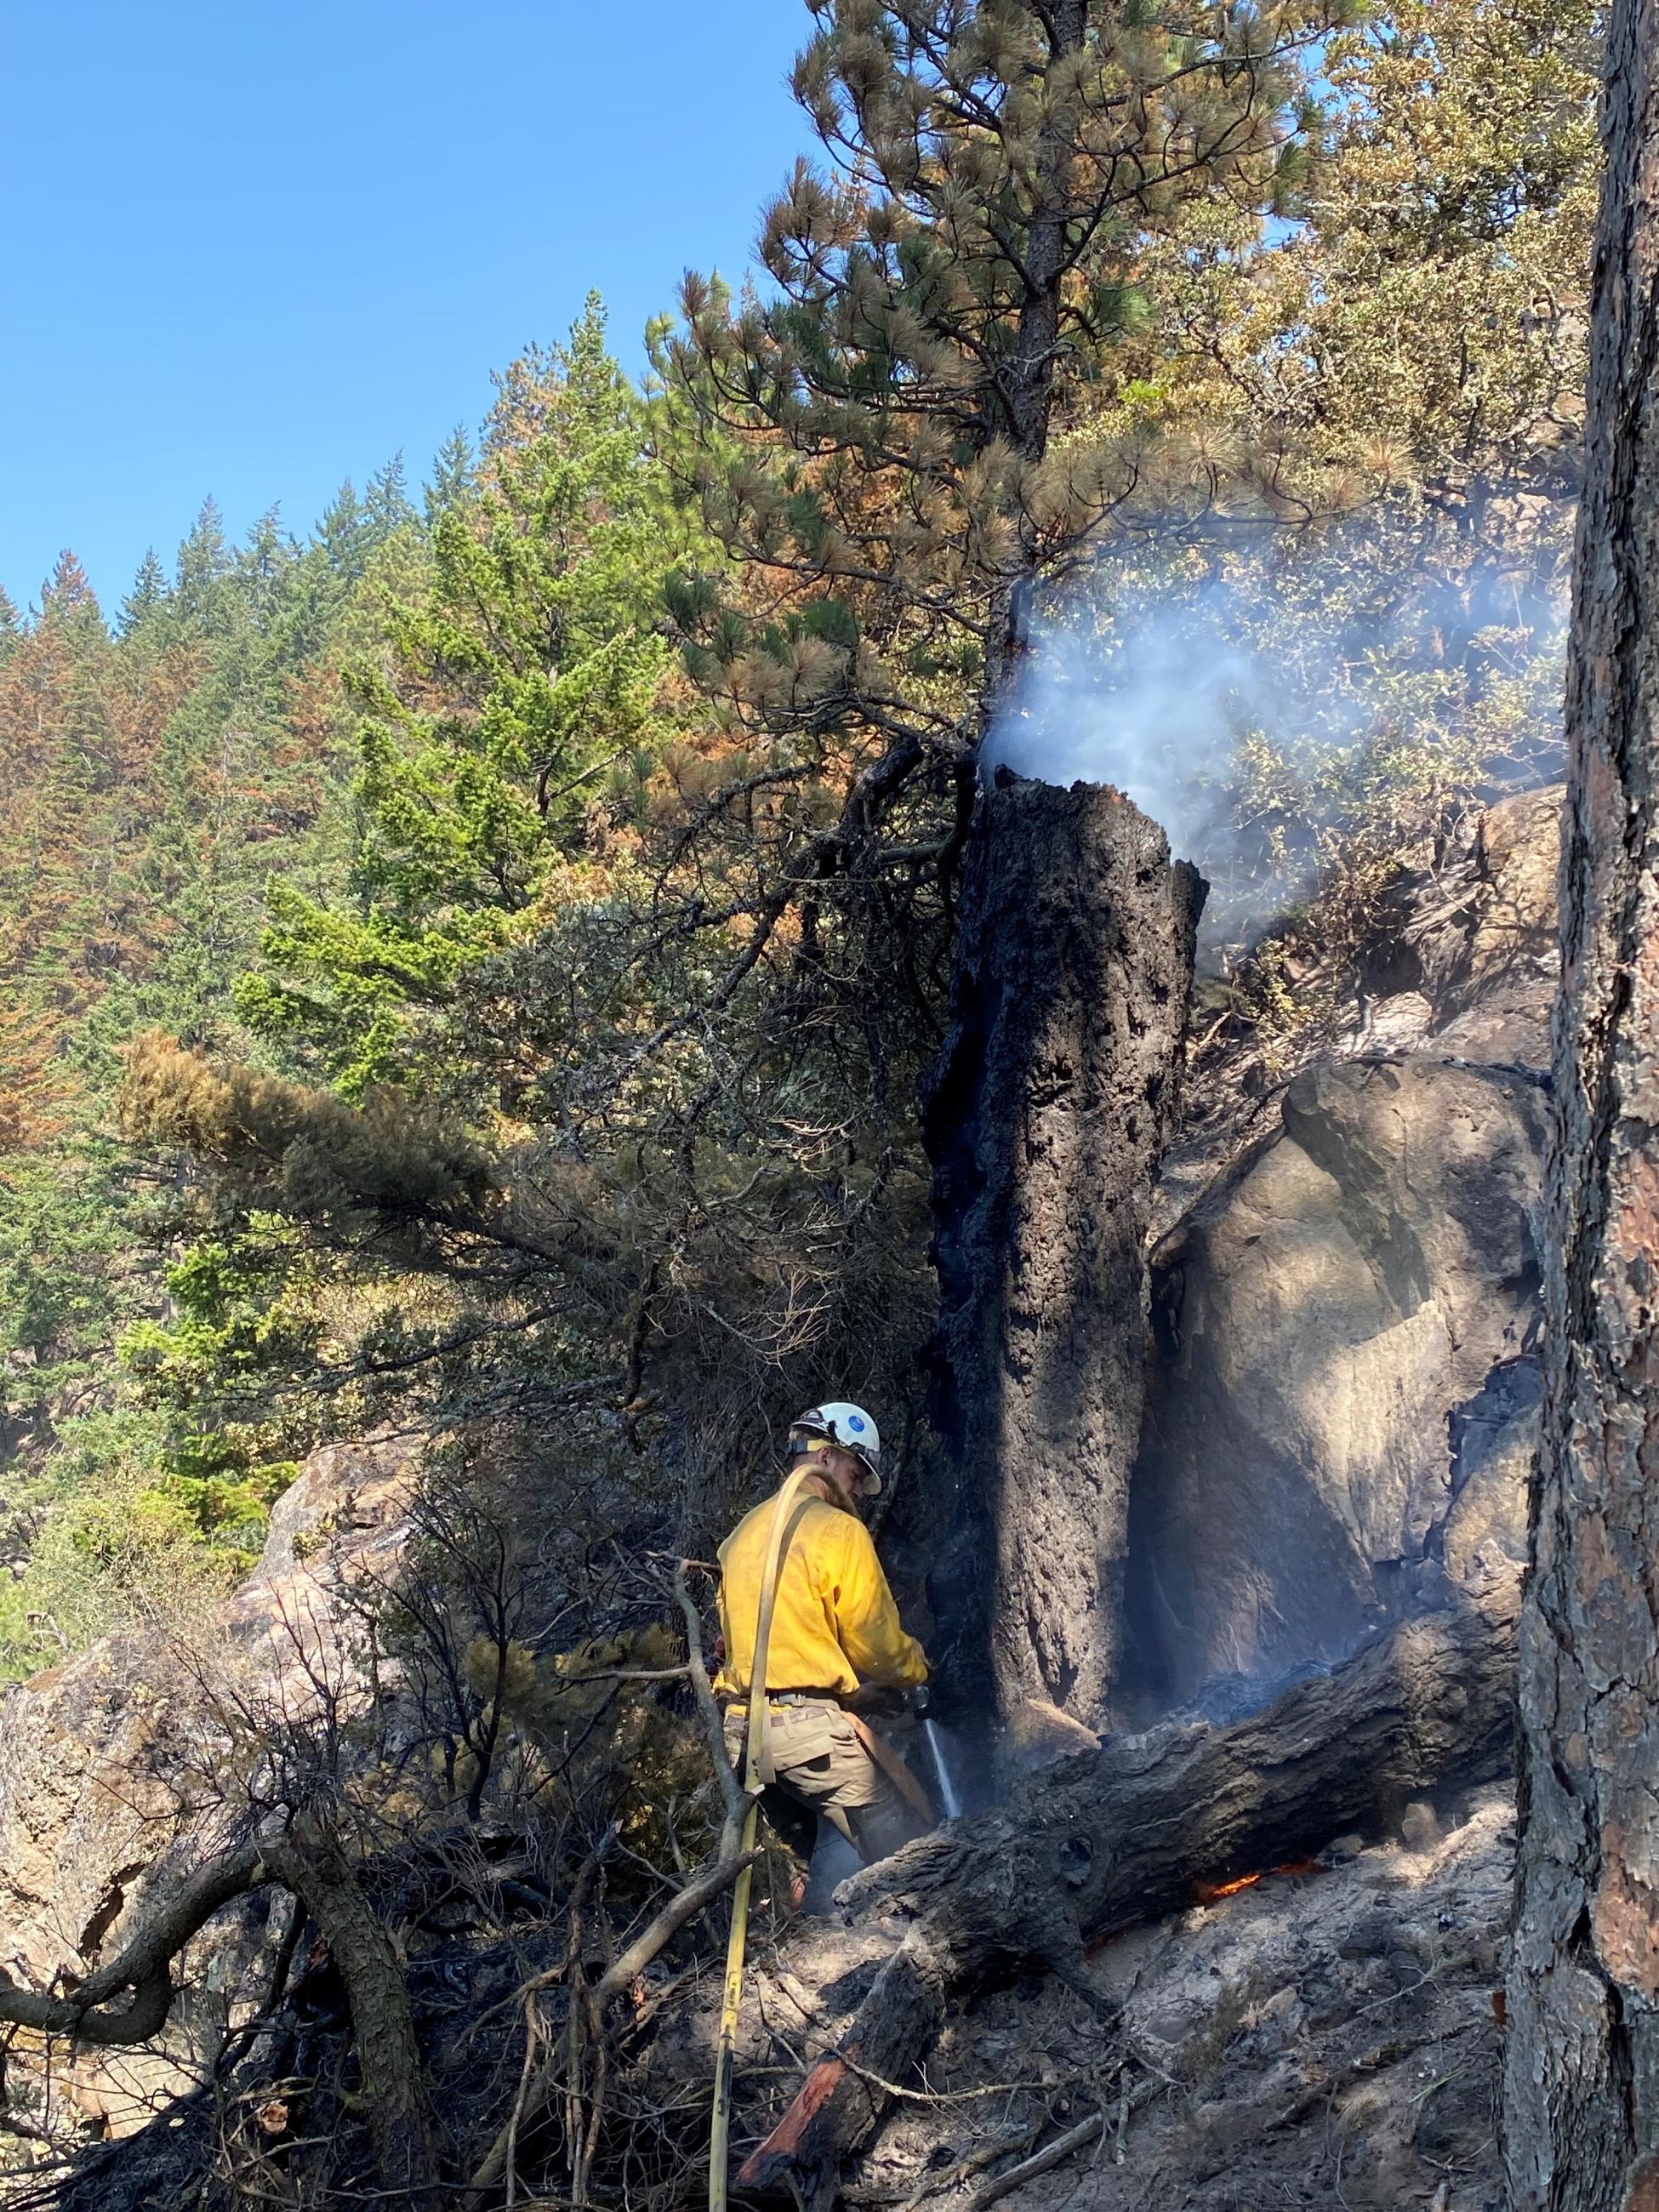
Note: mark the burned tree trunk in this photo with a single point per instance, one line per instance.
(1122, 1834)
(1581, 2065)
(1045, 1118)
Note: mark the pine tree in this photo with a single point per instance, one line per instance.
(147, 597)
(879, 433)
(894, 443)
(453, 477)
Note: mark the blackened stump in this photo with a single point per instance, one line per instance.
(1045, 1118)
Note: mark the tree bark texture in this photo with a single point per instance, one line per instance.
(1581, 2063)
(392, 2076)
(1045, 1119)
(1122, 1834)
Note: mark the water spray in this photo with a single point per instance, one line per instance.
(949, 1804)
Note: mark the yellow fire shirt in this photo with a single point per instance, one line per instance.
(834, 1623)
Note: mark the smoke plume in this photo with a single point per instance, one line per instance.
(1259, 714)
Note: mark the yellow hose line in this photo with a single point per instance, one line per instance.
(720, 2131)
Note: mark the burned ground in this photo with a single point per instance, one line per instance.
(1322, 2038)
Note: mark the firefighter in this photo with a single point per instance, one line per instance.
(835, 1638)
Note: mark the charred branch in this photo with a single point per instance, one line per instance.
(129, 2000)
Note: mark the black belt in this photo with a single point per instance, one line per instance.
(789, 1698)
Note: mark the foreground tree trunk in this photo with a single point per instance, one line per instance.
(1045, 1118)
(1581, 2065)
(1122, 1834)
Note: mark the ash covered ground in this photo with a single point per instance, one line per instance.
(1325, 2040)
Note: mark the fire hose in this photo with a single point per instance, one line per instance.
(785, 1517)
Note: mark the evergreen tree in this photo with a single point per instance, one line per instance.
(204, 601)
(386, 503)
(453, 477)
(146, 777)
(525, 677)
(147, 597)
(262, 563)
(896, 442)
(598, 1077)
(345, 536)
(881, 429)
(1580, 2126)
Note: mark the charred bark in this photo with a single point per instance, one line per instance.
(1045, 1118)
(393, 2079)
(1122, 1834)
(1581, 2063)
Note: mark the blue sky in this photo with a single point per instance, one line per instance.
(250, 251)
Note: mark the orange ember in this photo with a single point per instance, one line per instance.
(1208, 1893)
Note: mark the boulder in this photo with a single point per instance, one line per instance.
(113, 1765)
(1342, 1395)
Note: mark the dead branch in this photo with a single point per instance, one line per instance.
(733, 1793)
(85, 2013)
(701, 1891)
(1062, 2146)
(534, 2100)
(318, 1873)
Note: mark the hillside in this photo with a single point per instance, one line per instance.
(1304, 2027)
(982, 839)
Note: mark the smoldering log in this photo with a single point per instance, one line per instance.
(1045, 1117)
(1126, 1833)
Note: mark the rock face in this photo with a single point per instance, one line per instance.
(1328, 1320)
(112, 1762)
(1342, 1395)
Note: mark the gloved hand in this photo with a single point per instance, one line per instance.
(880, 1700)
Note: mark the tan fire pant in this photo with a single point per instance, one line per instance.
(822, 1768)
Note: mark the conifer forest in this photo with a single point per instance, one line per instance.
(1049, 823)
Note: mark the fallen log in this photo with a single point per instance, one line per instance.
(1125, 1833)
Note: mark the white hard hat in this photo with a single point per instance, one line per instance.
(850, 1427)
